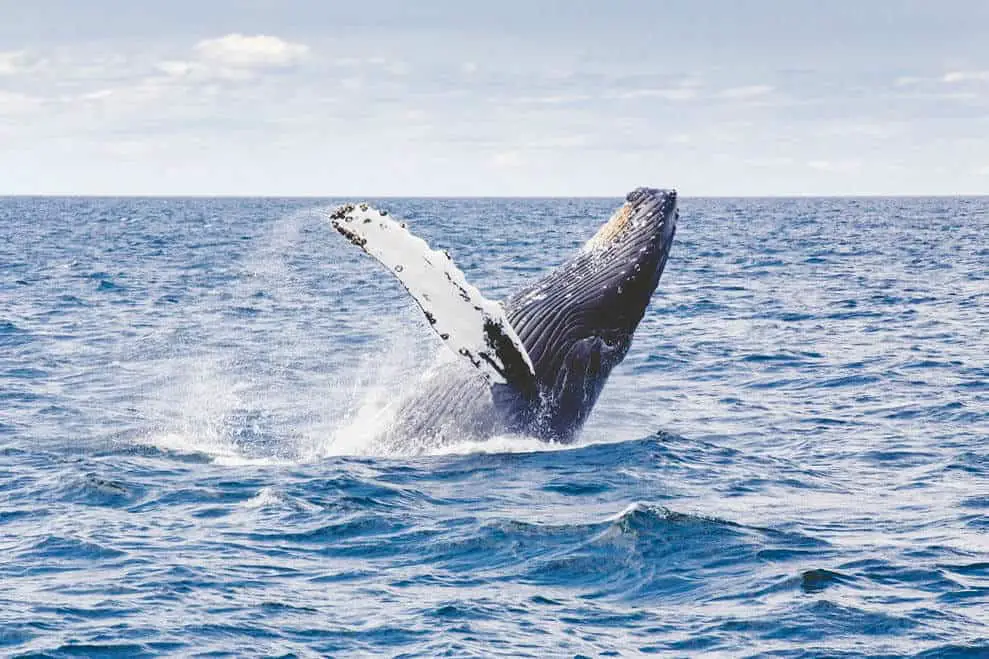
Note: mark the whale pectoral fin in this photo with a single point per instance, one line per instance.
(471, 325)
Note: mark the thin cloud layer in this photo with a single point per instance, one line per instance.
(966, 76)
(314, 98)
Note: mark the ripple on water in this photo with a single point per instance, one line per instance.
(184, 384)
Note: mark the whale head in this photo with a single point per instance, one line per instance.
(577, 322)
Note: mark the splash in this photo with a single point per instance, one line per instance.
(199, 407)
(500, 444)
(264, 383)
(369, 395)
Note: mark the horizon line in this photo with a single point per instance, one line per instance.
(49, 195)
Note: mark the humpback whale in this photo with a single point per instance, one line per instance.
(536, 363)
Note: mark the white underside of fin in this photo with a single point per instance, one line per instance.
(471, 325)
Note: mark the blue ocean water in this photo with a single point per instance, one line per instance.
(791, 462)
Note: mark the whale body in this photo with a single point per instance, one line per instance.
(535, 363)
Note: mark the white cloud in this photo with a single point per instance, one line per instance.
(907, 81)
(872, 129)
(966, 76)
(236, 57)
(750, 91)
(559, 142)
(242, 51)
(671, 94)
(983, 171)
(98, 94)
(176, 68)
(553, 99)
(11, 62)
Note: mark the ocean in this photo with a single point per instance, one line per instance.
(792, 461)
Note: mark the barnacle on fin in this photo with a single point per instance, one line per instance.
(341, 212)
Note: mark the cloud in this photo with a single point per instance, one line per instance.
(670, 94)
(236, 57)
(469, 108)
(907, 81)
(250, 52)
(749, 91)
(554, 99)
(872, 129)
(966, 76)
(950, 78)
(690, 90)
(176, 68)
(11, 62)
(835, 166)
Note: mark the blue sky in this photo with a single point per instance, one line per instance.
(537, 97)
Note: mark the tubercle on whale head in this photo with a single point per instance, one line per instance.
(639, 254)
(645, 211)
(626, 259)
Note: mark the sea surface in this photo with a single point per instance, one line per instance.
(793, 460)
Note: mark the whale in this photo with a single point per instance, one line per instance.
(535, 363)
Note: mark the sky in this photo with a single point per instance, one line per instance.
(504, 97)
